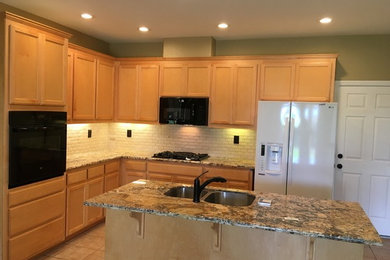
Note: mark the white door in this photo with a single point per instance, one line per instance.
(363, 142)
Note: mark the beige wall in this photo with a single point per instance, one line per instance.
(365, 57)
(135, 49)
(77, 38)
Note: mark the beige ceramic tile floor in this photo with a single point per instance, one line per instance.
(86, 246)
(90, 246)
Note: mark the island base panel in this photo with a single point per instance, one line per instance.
(146, 236)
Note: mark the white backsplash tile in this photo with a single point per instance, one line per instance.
(217, 142)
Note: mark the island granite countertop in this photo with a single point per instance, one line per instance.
(336, 220)
(86, 159)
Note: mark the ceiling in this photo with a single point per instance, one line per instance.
(117, 21)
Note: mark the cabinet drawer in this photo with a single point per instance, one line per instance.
(37, 240)
(96, 171)
(159, 177)
(76, 176)
(135, 165)
(39, 212)
(112, 166)
(35, 191)
(169, 168)
(133, 176)
(229, 174)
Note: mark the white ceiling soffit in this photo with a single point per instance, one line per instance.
(117, 21)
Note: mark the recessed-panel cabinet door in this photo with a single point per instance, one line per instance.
(198, 80)
(314, 81)
(147, 108)
(84, 79)
(173, 81)
(221, 95)
(24, 64)
(244, 95)
(111, 181)
(53, 90)
(94, 187)
(276, 81)
(75, 209)
(126, 99)
(105, 89)
(69, 87)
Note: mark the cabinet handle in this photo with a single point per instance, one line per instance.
(340, 156)
(339, 166)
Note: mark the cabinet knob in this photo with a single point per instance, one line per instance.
(339, 166)
(340, 156)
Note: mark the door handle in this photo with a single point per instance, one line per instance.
(340, 156)
(339, 166)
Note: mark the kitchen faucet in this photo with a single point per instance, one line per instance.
(198, 188)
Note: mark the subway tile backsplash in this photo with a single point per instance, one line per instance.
(149, 139)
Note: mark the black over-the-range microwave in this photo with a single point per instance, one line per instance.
(184, 111)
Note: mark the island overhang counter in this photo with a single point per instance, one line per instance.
(143, 223)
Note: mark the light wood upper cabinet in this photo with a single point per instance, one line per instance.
(299, 79)
(126, 98)
(24, 65)
(173, 80)
(53, 91)
(233, 98)
(314, 80)
(276, 80)
(147, 106)
(105, 89)
(69, 87)
(84, 81)
(244, 95)
(222, 94)
(37, 63)
(91, 86)
(190, 79)
(137, 93)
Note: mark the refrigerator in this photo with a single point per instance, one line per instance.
(295, 148)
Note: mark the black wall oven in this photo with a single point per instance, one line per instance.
(37, 146)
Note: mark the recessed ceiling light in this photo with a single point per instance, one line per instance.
(326, 20)
(86, 16)
(143, 29)
(223, 25)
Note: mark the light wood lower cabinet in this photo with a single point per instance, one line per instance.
(36, 218)
(85, 183)
(186, 173)
(236, 178)
(111, 175)
(173, 172)
(132, 170)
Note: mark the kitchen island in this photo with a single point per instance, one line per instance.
(143, 223)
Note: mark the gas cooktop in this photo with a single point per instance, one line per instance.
(181, 156)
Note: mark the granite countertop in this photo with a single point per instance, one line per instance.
(85, 159)
(337, 220)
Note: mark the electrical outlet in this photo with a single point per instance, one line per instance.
(129, 133)
(236, 139)
(89, 133)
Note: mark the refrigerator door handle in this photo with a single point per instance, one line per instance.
(290, 150)
(285, 144)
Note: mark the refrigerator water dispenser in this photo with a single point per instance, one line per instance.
(271, 158)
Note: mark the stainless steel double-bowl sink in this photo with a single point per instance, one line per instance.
(230, 198)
